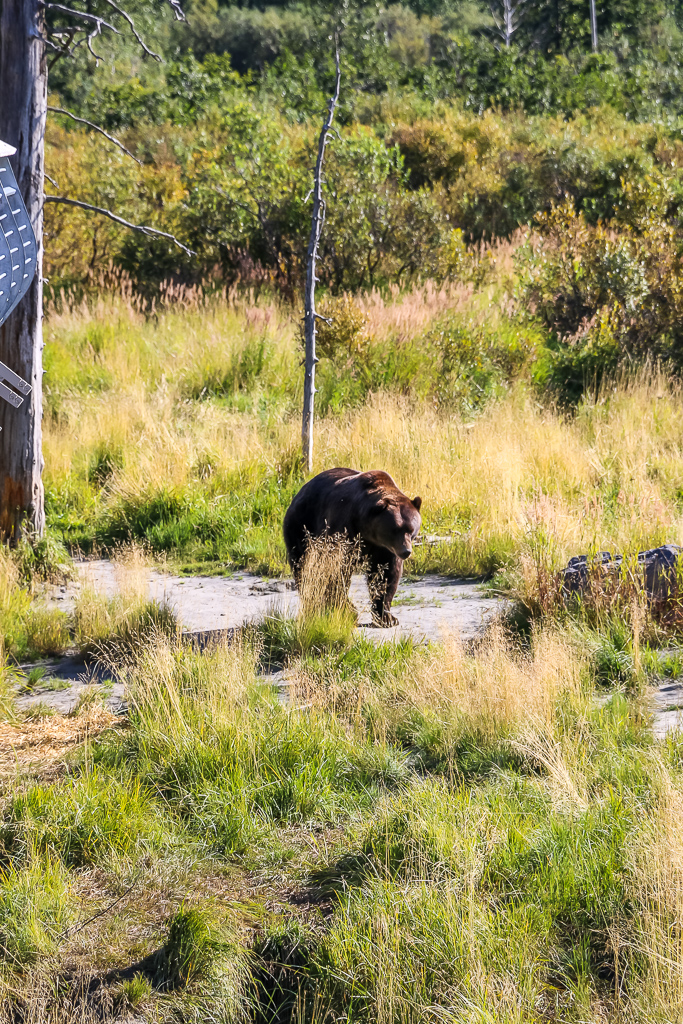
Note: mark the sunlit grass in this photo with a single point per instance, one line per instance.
(206, 471)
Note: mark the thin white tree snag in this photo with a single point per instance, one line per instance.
(594, 26)
(317, 222)
(511, 11)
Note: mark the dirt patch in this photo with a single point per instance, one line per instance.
(40, 746)
(425, 608)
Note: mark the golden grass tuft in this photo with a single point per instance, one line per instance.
(42, 746)
(657, 891)
(178, 691)
(500, 689)
(326, 575)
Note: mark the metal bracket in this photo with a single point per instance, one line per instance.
(17, 382)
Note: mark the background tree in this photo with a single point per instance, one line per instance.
(507, 16)
(31, 31)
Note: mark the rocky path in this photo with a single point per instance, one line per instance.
(426, 609)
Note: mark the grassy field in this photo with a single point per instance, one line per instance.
(411, 833)
(415, 834)
(181, 429)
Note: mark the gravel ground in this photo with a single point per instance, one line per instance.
(206, 605)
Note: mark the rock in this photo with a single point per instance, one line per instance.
(659, 567)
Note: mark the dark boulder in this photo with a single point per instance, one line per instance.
(659, 567)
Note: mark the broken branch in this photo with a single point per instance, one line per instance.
(127, 17)
(82, 120)
(143, 228)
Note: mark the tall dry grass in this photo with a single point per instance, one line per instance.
(501, 689)
(545, 481)
(657, 891)
(115, 627)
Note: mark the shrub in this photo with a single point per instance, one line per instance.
(608, 292)
(345, 336)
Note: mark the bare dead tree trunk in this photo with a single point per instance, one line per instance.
(317, 221)
(23, 109)
(507, 16)
(594, 27)
(507, 20)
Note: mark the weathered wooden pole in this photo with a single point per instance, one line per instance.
(23, 109)
(317, 221)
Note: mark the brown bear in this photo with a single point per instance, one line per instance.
(368, 509)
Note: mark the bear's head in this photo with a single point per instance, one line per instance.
(394, 523)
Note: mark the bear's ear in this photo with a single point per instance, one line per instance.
(417, 502)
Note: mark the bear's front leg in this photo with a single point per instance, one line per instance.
(384, 575)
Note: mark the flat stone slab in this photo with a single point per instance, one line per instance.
(668, 707)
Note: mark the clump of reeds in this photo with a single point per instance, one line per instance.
(325, 576)
(325, 618)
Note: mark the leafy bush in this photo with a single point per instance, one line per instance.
(608, 292)
(342, 336)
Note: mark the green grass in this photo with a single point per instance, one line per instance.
(35, 907)
(282, 636)
(192, 952)
(414, 827)
(87, 820)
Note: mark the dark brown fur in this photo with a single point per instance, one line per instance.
(369, 510)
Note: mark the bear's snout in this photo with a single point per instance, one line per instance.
(407, 551)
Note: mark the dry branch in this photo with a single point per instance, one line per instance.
(126, 16)
(317, 222)
(145, 229)
(82, 120)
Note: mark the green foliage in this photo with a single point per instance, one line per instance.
(44, 559)
(342, 334)
(27, 628)
(608, 293)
